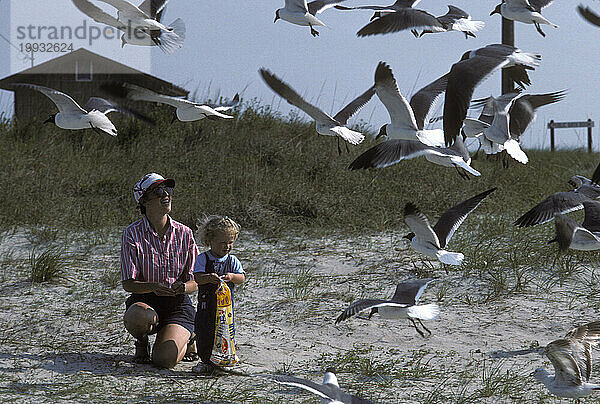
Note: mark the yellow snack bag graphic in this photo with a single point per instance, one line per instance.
(223, 353)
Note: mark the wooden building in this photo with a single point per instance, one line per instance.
(78, 74)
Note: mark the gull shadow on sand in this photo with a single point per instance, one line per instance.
(97, 363)
(518, 352)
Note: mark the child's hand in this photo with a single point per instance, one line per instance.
(228, 277)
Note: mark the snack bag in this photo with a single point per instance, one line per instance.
(223, 352)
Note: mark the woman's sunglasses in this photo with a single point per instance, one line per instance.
(159, 192)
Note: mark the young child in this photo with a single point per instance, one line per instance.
(219, 234)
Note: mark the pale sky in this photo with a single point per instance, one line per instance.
(227, 42)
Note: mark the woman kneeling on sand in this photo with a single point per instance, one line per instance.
(157, 260)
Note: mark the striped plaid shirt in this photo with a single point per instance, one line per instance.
(145, 257)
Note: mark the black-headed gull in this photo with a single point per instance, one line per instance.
(329, 392)
(71, 116)
(589, 15)
(571, 357)
(584, 236)
(511, 114)
(432, 241)
(403, 305)
(141, 25)
(407, 119)
(467, 73)
(383, 10)
(300, 12)
(325, 124)
(525, 11)
(398, 17)
(186, 110)
(393, 151)
(456, 20)
(562, 202)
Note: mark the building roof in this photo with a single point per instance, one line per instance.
(67, 64)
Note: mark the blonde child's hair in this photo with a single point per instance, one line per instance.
(212, 225)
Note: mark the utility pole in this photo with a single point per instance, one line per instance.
(508, 38)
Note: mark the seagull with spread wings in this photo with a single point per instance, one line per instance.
(325, 124)
(456, 20)
(185, 111)
(525, 11)
(403, 305)
(92, 116)
(300, 12)
(432, 241)
(571, 357)
(397, 17)
(473, 67)
(329, 391)
(563, 202)
(584, 236)
(407, 119)
(141, 25)
(505, 118)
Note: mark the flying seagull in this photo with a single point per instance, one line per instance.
(300, 12)
(589, 15)
(226, 106)
(402, 305)
(141, 25)
(186, 110)
(432, 241)
(407, 119)
(571, 357)
(563, 202)
(325, 125)
(584, 237)
(92, 116)
(393, 151)
(515, 62)
(329, 391)
(383, 10)
(510, 114)
(466, 74)
(398, 17)
(526, 11)
(456, 20)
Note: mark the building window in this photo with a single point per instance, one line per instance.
(83, 70)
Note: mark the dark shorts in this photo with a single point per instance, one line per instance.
(170, 309)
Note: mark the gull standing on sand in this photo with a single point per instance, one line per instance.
(329, 391)
(325, 125)
(466, 74)
(584, 237)
(397, 17)
(300, 12)
(563, 202)
(456, 20)
(589, 15)
(432, 241)
(572, 361)
(141, 25)
(186, 110)
(526, 11)
(71, 116)
(402, 305)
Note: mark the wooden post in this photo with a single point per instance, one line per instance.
(508, 38)
(589, 135)
(551, 125)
